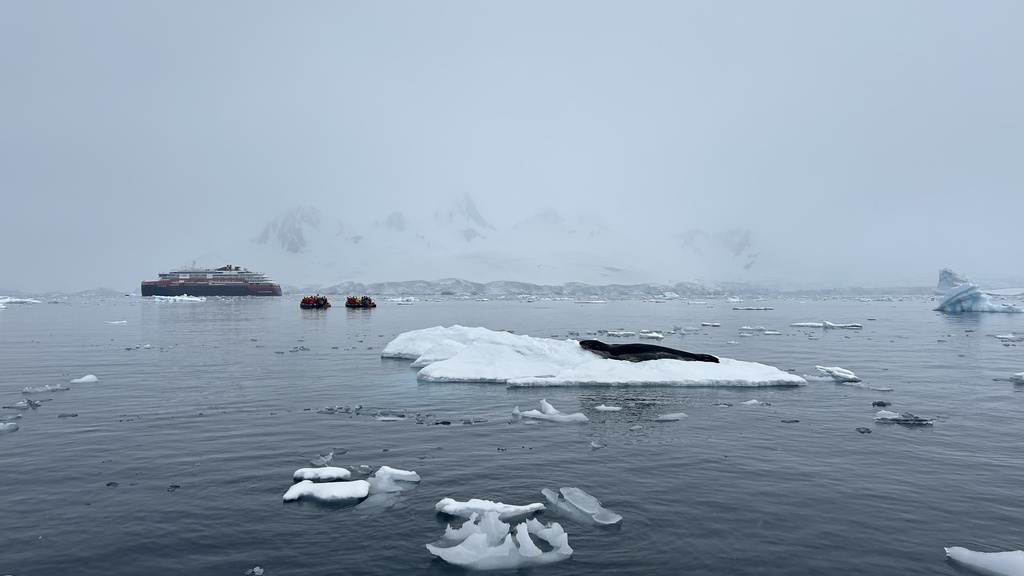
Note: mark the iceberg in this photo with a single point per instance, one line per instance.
(484, 542)
(995, 563)
(328, 491)
(475, 506)
(460, 354)
(970, 298)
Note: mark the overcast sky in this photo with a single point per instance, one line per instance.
(878, 135)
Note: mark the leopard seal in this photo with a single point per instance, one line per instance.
(637, 352)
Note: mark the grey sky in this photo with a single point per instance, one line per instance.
(868, 135)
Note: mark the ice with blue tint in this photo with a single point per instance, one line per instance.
(460, 354)
(484, 542)
(549, 412)
(970, 298)
(993, 563)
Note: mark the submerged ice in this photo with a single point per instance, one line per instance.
(995, 563)
(461, 354)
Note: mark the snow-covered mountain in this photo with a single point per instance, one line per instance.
(304, 247)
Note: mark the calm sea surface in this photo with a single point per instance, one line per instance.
(178, 457)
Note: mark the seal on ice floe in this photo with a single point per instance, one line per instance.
(636, 352)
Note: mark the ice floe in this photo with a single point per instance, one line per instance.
(549, 412)
(838, 374)
(44, 389)
(477, 506)
(87, 379)
(827, 325)
(386, 479)
(603, 408)
(905, 418)
(673, 417)
(754, 402)
(328, 491)
(579, 506)
(325, 474)
(651, 335)
(993, 563)
(484, 542)
(517, 360)
(6, 427)
(970, 298)
(182, 298)
(10, 300)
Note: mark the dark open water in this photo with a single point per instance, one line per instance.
(214, 409)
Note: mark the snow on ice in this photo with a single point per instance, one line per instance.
(518, 360)
(328, 491)
(477, 506)
(484, 542)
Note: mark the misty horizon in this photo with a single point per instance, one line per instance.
(854, 144)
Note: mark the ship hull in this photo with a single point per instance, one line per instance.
(204, 289)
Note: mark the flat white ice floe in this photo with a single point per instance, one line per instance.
(673, 417)
(484, 542)
(386, 479)
(182, 298)
(827, 325)
(995, 563)
(477, 506)
(328, 491)
(517, 360)
(969, 298)
(838, 374)
(325, 474)
(549, 412)
(87, 379)
(905, 418)
(603, 408)
(9, 300)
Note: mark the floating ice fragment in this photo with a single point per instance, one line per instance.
(6, 427)
(579, 506)
(1018, 378)
(325, 474)
(87, 379)
(906, 418)
(994, 563)
(603, 408)
(651, 335)
(328, 491)
(674, 416)
(322, 459)
(548, 412)
(485, 543)
(182, 298)
(477, 506)
(838, 374)
(44, 389)
(755, 402)
(24, 404)
(254, 571)
(386, 479)
(117, 321)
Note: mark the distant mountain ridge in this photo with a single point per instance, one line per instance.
(306, 247)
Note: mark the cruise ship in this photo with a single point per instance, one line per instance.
(225, 281)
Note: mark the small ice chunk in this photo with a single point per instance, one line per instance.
(328, 491)
(6, 427)
(477, 506)
(485, 543)
(549, 412)
(603, 408)
(386, 479)
(325, 474)
(995, 563)
(906, 418)
(755, 402)
(44, 389)
(87, 379)
(580, 506)
(1018, 378)
(838, 374)
(581, 499)
(674, 416)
